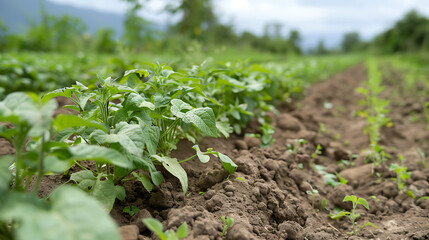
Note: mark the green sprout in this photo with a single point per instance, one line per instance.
(156, 226)
(401, 174)
(131, 210)
(353, 215)
(317, 152)
(227, 223)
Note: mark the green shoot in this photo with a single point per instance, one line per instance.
(353, 215)
(401, 175)
(317, 152)
(227, 223)
(131, 210)
(155, 226)
(313, 192)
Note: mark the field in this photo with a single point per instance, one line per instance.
(278, 148)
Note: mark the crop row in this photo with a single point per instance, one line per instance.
(123, 125)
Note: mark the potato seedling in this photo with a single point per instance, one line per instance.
(353, 215)
(227, 223)
(155, 226)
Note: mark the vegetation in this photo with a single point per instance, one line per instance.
(353, 215)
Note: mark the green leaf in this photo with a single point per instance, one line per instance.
(367, 224)
(339, 215)
(129, 136)
(177, 106)
(5, 175)
(227, 163)
(98, 154)
(139, 72)
(144, 180)
(105, 192)
(171, 165)
(67, 121)
(363, 202)
(203, 119)
(182, 231)
(224, 128)
(136, 102)
(64, 92)
(150, 137)
(54, 164)
(203, 158)
(155, 226)
(70, 214)
(85, 179)
(350, 198)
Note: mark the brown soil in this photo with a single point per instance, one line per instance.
(267, 195)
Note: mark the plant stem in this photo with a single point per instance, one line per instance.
(40, 166)
(189, 158)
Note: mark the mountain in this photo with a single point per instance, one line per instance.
(17, 15)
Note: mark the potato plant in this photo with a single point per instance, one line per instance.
(144, 125)
(22, 214)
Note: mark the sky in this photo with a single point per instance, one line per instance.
(315, 19)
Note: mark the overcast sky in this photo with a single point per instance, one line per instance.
(315, 19)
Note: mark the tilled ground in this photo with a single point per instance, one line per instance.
(267, 195)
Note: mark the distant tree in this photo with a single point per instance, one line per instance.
(411, 33)
(321, 49)
(56, 33)
(295, 41)
(351, 42)
(3, 36)
(197, 17)
(104, 40)
(137, 31)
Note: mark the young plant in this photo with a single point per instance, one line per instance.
(297, 146)
(227, 223)
(329, 178)
(131, 210)
(155, 226)
(401, 174)
(143, 121)
(313, 192)
(376, 155)
(317, 152)
(353, 215)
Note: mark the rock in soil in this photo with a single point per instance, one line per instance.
(129, 232)
(137, 219)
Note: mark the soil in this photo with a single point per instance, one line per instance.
(267, 196)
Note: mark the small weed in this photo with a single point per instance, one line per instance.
(353, 215)
(227, 223)
(131, 210)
